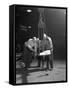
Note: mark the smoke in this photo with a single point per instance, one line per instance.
(41, 23)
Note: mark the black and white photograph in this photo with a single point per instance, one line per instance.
(40, 44)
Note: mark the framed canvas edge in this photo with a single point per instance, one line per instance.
(51, 82)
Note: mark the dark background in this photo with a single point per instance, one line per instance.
(55, 20)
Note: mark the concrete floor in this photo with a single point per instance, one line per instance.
(35, 74)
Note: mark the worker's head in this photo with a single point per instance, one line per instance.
(37, 39)
(30, 39)
(44, 36)
(34, 38)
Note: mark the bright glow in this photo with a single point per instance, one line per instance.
(29, 10)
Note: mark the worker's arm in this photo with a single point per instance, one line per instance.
(51, 44)
(31, 48)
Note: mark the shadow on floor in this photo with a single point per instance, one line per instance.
(25, 72)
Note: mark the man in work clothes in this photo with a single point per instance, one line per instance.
(46, 45)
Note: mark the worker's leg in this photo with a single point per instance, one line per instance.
(47, 63)
(51, 60)
(27, 56)
(43, 59)
(39, 61)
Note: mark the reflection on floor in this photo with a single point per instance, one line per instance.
(36, 74)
